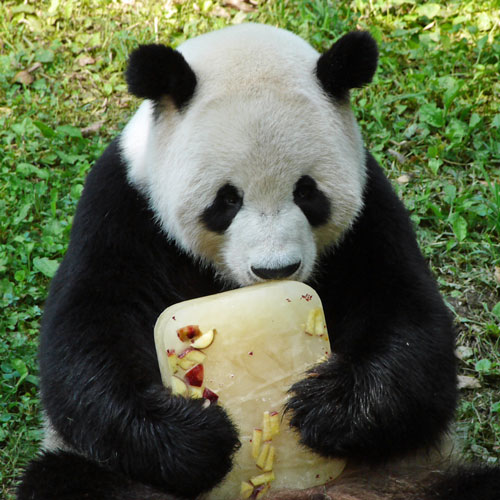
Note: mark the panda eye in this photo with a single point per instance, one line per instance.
(304, 188)
(231, 197)
(219, 215)
(311, 200)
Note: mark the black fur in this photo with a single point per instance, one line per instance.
(219, 215)
(312, 201)
(350, 63)
(155, 71)
(66, 476)
(467, 483)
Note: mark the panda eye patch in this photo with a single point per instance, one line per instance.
(311, 200)
(219, 215)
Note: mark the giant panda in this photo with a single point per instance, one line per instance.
(243, 164)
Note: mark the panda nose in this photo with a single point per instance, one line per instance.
(269, 273)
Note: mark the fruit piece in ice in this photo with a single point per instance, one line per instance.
(195, 392)
(256, 442)
(172, 360)
(179, 388)
(246, 490)
(274, 417)
(324, 358)
(190, 357)
(205, 340)
(210, 395)
(262, 458)
(266, 427)
(267, 477)
(315, 324)
(319, 323)
(194, 376)
(311, 322)
(261, 491)
(269, 460)
(189, 332)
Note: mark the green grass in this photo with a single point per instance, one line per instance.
(431, 117)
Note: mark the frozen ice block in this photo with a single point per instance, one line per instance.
(265, 337)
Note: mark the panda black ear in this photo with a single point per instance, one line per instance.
(350, 63)
(155, 71)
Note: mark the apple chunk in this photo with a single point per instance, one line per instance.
(274, 418)
(267, 477)
(179, 388)
(204, 340)
(262, 458)
(266, 427)
(172, 360)
(246, 490)
(195, 392)
(190, 357)
(194, 376)
(256, 442)
(270, 459)
(189, 332)
(210, 395)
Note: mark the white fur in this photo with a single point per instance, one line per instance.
(259, 120)
(135, 140)
(52, 440)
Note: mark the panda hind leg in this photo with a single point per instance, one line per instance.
(466, 482)
(67, 476)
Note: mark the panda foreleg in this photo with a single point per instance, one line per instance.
(136, 427)
(100, 381)
(368, 410)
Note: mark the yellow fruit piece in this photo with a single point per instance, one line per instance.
(275, 423)
(262, 490)
(246, 490)
(172, 361)
(266, 427)
(256, 442)
(311, 322)
(267, 477)
(323, 358)
(179, 388)
(270, 459)
(261, 460)
(205, 340)
(319, 323)
(195, 392)
(190, 358)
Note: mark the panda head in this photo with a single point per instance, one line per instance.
(247, 149)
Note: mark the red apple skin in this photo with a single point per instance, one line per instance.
(210, 395)
(185, 351)
(194, 376)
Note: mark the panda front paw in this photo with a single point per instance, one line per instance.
(199, 447)
(177, 445)
(336, 413)
(371, 409)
